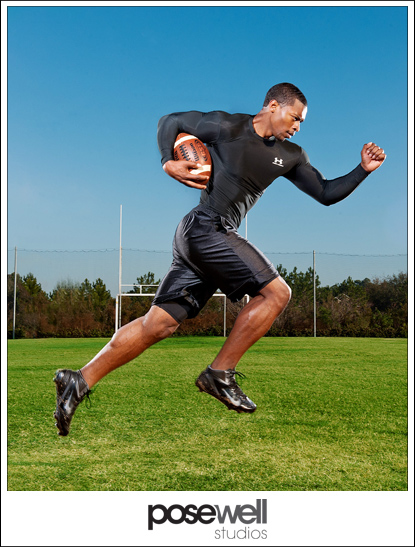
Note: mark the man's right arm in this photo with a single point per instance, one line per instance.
(204, 126)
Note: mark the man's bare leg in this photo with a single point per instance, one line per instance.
(126, 344)
(252, 323)
(132, 339)
(254, 320)
(129, 342)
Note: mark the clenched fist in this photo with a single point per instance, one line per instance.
(372, 157)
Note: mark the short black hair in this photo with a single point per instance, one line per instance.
(285, 94)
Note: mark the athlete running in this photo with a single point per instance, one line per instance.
(248, 153)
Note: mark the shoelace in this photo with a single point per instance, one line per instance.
(237, 387)
(87, 395)
(236, 372)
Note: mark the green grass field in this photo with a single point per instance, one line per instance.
(332, 415)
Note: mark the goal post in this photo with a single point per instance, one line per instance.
(121, 294)
(152, 294)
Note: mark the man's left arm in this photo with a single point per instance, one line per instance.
(309, 180)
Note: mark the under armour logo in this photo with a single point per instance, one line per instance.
(278, 162)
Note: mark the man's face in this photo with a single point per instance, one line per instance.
(285, 120)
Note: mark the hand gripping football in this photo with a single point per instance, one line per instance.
(190, 148)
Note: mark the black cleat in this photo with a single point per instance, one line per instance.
(71, 389)
(222, 385)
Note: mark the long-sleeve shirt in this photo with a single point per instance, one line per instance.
(244, 164)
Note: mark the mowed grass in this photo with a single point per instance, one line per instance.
(332, 415)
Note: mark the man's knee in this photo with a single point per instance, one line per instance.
(278, 293)
(152, 327)
(159, 323)
(285, 290)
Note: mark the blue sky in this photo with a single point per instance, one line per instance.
(87, 85)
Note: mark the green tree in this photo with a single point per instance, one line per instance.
(350, 308)
(353, 289)
(85, 290)
(82, 309)
(388, 299)
(31, 307)
(32, 286)
(137, 307)
(146, 279)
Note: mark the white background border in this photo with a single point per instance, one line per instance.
(120, 518)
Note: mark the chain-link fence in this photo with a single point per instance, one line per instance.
(53, 267)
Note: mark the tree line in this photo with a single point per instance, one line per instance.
(367, 308)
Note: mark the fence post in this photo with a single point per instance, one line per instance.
(116, 312)
(224, 315)
(15, 291)
(314, 294)
(120, 274)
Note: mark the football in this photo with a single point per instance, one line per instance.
(190, 148)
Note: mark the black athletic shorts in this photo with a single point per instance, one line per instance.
(209, 254)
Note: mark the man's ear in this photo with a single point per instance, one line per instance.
(273, 105)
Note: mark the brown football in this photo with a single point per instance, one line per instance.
(190, 148)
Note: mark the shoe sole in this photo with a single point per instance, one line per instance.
(202, 389)
(61, 431)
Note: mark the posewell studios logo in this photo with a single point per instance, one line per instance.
(243, 516)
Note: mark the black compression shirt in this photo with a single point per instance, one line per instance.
(245, 164)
